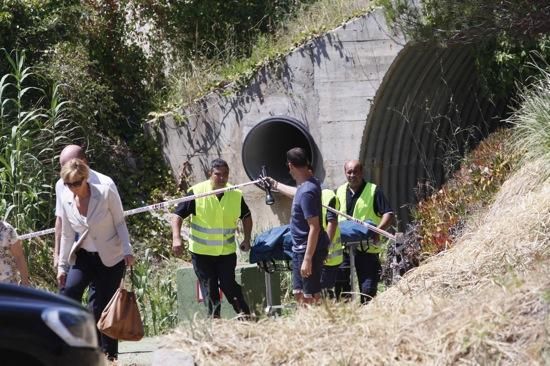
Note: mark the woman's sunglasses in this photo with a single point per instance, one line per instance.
(74, 184)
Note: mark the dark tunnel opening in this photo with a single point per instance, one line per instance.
(267, 144)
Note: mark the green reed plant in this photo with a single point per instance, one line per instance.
(32, 127)
(156, 294)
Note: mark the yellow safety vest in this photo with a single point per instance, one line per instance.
(215, 221)
(335, 251)
(363, 210)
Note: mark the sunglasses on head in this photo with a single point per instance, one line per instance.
(75, 184)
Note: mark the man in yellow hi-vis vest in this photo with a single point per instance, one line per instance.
(364, 201)
(212, 238)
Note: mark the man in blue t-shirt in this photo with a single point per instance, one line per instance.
(310, 241)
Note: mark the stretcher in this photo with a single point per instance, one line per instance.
(272, 251)
(354, 236)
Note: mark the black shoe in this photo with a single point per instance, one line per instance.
(247, 317)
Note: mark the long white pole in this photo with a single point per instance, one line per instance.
(366, 224)
(156, 206)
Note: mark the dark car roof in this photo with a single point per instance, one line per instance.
(19, 294)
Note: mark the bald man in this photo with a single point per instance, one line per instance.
(364, 201)
(68, 153)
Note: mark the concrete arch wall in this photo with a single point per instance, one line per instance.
(351, 89)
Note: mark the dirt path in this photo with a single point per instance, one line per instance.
(137, 353)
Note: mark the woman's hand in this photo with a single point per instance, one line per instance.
(61, 279)
(129, 260)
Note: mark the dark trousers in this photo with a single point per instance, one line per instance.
(328, 280)
(368, 269)
(213, 270)
(103, 280)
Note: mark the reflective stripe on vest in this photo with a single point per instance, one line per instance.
(335, 251)
(215, 221)
(338, 255)
(213, 231)
(230, 240)
(363, 210)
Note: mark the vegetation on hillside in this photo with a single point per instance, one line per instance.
(531, 121)
(195, 77)
(504, 34)
(440, 218)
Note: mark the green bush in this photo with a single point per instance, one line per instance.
(503, 33)
(440, 217)
(156, 293)
(37, 25)
(531, 120)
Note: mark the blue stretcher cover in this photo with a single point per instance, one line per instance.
(273, 244)
(352, 231)
(276, 243)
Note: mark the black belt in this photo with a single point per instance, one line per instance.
(85, 252)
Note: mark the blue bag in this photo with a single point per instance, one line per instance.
(351, 231)
(273, 244)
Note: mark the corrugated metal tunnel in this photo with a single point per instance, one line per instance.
(425, 116)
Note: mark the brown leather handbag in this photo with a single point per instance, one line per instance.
(121, 319)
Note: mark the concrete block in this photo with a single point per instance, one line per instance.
(172, 357)
(250, 277)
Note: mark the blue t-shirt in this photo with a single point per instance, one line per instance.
(306, 204)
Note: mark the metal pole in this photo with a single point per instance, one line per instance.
(268, 294)
(352, 247)
(369, 226)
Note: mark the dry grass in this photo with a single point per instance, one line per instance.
(485, 301)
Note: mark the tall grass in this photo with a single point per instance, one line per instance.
(32, 127)
(193, 77)
(531, 121)
(156, 294)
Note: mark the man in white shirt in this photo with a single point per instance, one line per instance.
(68, 153)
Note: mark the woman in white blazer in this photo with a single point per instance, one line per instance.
(95, 245)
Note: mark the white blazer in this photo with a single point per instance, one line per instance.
(61, 190)
(105, 225)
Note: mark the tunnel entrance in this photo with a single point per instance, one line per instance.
(267, 144)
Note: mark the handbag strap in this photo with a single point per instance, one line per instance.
(131, 278)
